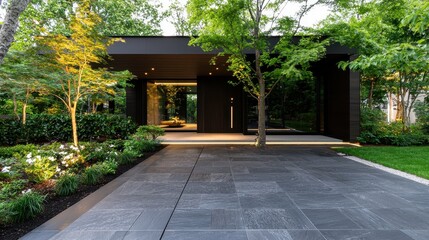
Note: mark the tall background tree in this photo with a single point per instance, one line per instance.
(392, 46)
(10, 24)
(237, 26)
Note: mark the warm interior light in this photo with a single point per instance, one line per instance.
(188, 83)
(145, 73)
(217, 68)
(153, 69)
(210, 73)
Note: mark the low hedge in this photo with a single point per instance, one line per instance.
(47, 128)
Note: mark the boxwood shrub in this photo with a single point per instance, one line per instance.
(47, 128)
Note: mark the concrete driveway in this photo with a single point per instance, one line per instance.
(240, 192)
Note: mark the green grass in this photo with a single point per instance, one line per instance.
(413, 160)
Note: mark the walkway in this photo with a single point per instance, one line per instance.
(241, 139)
(239, 192)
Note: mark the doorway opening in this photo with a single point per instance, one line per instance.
(172, 105)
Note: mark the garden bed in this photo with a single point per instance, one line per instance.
(55, 204)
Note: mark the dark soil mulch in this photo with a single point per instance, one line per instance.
(56, 204)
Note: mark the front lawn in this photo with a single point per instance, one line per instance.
(413, 160)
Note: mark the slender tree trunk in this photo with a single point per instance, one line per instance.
(262, 138)
(24, 113)
(74, 125)
(10, 25)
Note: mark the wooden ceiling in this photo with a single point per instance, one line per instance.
(169, 66)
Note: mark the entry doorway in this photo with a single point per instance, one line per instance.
(172, 105)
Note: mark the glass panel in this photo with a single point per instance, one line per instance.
(173, 107)
(290, 108)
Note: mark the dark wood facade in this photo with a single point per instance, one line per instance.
(174, 60)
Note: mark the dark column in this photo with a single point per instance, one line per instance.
(341, 100)
(136, 101)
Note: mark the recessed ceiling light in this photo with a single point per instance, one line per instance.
(153, 69)
(217, 68)
(210, 73)
(145, 73)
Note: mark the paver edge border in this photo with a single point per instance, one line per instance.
(387, 169)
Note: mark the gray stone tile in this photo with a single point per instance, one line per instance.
(321, 201)
(404, 186)
(258, 177)
(209, 187)
(108, 220)
(138, 201)
(143, 235)
(268, 170)
(275, 219)
(147, 188)
(306, 234)
(89, 235)
(379, 200)
(167, 170)
(152, 219)
(209, 201)
(212, 170)
(417, 235)
(267, 200)
(365, 235)
(205, 219)
(206, 235)
(39, 235)
(161, 177)
(211, 177)
(417, 199)
(268, 235)
(257, 187)
(367, 219)
(329, 219)
(406, 219)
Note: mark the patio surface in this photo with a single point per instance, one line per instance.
(240, 192)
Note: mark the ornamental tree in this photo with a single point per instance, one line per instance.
(239, 26)
(76, 59)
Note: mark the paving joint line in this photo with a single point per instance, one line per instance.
(181, 193)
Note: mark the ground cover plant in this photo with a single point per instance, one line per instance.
(29, 174)
(413, 160)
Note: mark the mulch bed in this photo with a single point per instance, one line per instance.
(56, 204)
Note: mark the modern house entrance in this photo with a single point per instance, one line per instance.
(178, 88)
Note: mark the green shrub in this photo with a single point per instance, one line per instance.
(92, 175)
(67, 184)
(20, 150)
(422, 112)
(40, 168)
(149, 132)
(10, 190)
(26, 206)
(108, 167)
(125, 158)
(47, 128)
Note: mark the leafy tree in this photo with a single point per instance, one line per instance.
(178, 17)
(10, 25)
(391, 47)
(236, 26)
(75, 57)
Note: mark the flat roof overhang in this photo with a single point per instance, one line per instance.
(171, 58)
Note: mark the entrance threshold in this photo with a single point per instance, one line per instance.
(190, 138)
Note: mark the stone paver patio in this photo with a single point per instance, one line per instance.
(239, 192)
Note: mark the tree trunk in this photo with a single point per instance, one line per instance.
(262, 138)
(24, 113)
(74, 125)
(10, 25)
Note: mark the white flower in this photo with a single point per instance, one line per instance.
(62, 153)
(26, 191)
(82, 147)
(58, 169)
(29, 155)
(38, 157)
(68, 156)
(5, 169)
(51, 159)
(61, 146)
(74, 148)
(63, 162)
(112, 146)
(30, 161)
